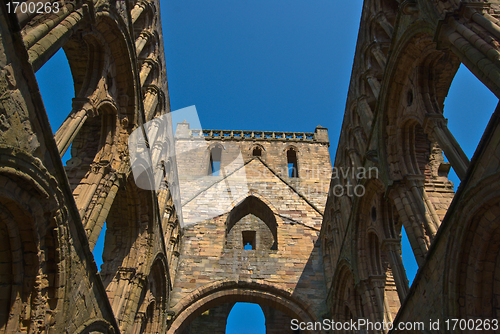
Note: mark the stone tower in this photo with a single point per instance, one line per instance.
(253, 204)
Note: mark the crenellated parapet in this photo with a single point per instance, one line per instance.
(319, 136)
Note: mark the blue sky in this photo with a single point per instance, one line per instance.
(279, 65)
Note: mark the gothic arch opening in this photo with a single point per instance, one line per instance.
(348, 304)
(378, 251)
(257, 151)
(96, 326)
(18, 275)
(255, 207)
(474, 275)
(152, 305)
(467, 95)
(415, 137)
(215, 164)
(292, 162)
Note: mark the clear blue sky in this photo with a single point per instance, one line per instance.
(279, 65)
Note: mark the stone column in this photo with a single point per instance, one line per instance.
(90, 185)
(393, 248)
(135, 287)
(480, 55)
(138, 10)
(99, 214)
(354, 157)
(148, 65)
(436, 126)
(172, 222)
(163, 197)
(327, 261)
(72, 125)
(151, 99)
(366, 114)
(379, 56)
(141, 41)
(368, 298)
(173, 264)
(377, 283)
(36, 33)
(139, 319)
(374, 84)
(123, 277)
(359, 138)
(412, 224)
(53, 40)
(384, 23)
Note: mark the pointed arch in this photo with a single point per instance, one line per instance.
(376, 266)
(150, 315)
(347, 303)
(255, 206)
(33, 244)
(292, 159)
(257, 150)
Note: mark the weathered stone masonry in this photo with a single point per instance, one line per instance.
(51, 214)
(314, 255)
(271, 210)
(406, 57)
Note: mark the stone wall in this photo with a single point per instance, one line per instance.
(406, 57)
(256, 200)
(52, 214)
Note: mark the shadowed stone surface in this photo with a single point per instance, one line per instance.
(174, 257)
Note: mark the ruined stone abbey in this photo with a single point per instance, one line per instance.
(244, 216)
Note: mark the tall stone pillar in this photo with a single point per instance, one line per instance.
(72, 125)
(435, 125)
(393, 248)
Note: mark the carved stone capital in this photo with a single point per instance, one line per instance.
(391, 245)
(431, 121)
(409, 7)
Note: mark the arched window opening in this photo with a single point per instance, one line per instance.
(250, 233)
(467, 96)
(291, 157)
(246, 318)
(215, 160)
(409, 261)
(257, 152)
(348, 306)
(248, 238)
(253, 222)
(57, 91)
